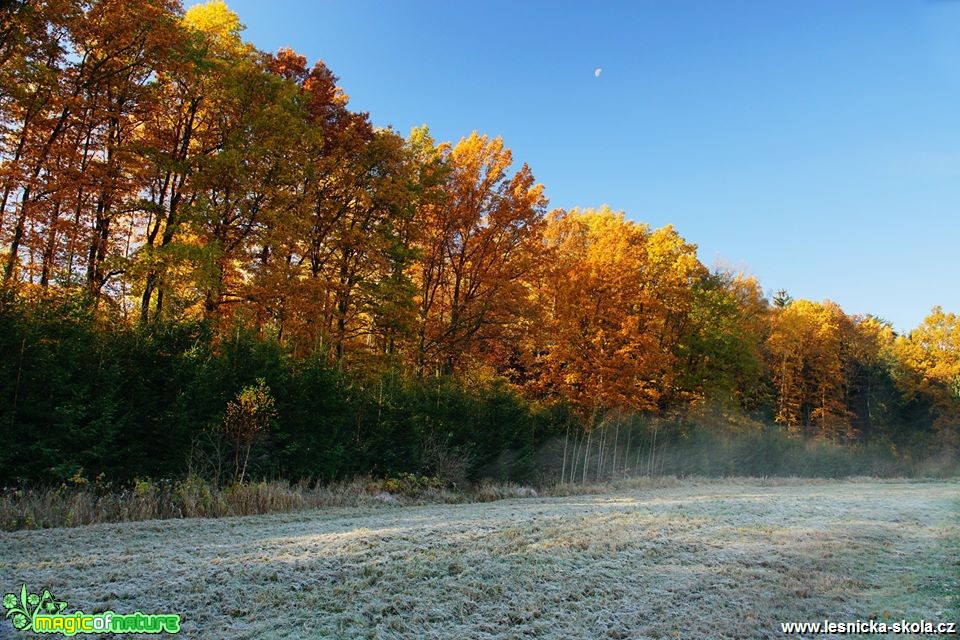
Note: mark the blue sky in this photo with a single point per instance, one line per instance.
(813, 143)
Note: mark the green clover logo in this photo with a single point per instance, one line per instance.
(24, 608)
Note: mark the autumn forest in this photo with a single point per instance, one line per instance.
(211, 265)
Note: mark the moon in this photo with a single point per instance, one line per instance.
(596, 72)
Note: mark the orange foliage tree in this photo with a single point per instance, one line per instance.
(612, 302)
(475, 246)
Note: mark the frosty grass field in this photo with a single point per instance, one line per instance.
(692, 559)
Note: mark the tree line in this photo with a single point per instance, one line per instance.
(183, 215)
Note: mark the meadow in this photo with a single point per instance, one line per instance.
(641, 559)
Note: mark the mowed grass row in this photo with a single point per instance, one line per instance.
(725, 560)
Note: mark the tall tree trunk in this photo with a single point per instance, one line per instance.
(172, 185)
(563, 467)
(18, 230)
(49, 249)
(586, 456)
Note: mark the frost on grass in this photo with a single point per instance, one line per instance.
(725, 560)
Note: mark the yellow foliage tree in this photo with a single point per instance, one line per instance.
(929, 365)
(218, 25)
(810, 359)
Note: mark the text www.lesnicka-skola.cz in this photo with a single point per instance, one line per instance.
(870, 627)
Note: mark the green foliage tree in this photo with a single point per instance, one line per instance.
(722, 349)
